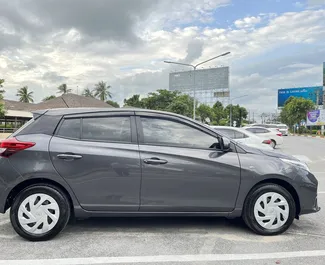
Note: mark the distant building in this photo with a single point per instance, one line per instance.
(18, 113)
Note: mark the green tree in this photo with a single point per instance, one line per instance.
(160, 100)
(63, 89)
(2, 107)
(295, 109)
(238, 114)
(183, 105)
(1, 86)
(113, 103)
(204, 111)
(102, 91)
(49, 97)
(133, 101)
(87, 93)
(24, 95)
(218, 111)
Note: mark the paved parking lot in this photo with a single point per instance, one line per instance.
(175, 240)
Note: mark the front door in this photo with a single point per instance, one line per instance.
(99, 159)
(182, 170)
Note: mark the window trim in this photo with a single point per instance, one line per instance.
(173, 119)
(134, 137)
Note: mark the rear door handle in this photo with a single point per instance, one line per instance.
(155, 161)
(69, 156)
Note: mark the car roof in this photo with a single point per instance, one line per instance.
(70, 111)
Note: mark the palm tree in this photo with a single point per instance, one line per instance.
(102, 91)
(24, 95)
(87, 93)
(49, 97)
(63, 89)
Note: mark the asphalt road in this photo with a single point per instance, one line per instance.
(180, 240)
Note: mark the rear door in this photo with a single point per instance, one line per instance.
(99, 158)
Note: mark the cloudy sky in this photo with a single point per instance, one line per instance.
(273, 44)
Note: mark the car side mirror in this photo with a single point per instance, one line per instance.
(224, 144)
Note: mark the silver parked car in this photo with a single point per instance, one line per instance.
(132, 162)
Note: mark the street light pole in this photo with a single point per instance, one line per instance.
(230, 109)
(194, 71)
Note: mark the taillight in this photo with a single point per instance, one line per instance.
(267, 142)
(279, 134)
(11, 146)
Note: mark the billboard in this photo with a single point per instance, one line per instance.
(316, 117)
(211, 85)
(205, 79)
(314, 93)
(323, 74)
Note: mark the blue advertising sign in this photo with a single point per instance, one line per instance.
(301, 92)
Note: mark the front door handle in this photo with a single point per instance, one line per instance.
(155, 161)
(69, 156)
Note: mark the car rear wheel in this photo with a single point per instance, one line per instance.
(40, 212)
(273, 144)
(269, 210)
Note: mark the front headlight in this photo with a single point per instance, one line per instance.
(299, 164)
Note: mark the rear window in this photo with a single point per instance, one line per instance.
(43, 125)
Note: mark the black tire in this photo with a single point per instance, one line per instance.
(273, 144)
(248, 210)
(60, 198)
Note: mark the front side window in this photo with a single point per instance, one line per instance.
(167, 132)
(111, 129)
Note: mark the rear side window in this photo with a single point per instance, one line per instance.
(261, 130)
(45, 124)
(110, 129)
(253, 130)
(240, 135)
(227, 132)
(70, 128)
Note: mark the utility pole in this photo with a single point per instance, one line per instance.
(253, 117)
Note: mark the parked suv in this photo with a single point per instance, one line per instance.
(125, 162)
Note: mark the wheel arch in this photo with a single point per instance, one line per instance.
(28, 182)
(284, 184)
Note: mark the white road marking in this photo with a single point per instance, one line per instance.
(321, 192)
(167, 258)
(303, 158)
(4, 222)
(8, 237)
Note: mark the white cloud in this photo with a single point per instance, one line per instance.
(247, 22)
(67, 55)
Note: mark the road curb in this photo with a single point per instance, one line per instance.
(310, 136)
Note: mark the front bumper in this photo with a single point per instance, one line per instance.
(308, 195)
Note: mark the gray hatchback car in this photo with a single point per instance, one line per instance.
(130, 162)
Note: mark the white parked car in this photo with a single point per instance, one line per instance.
(279, 126)
(273, 134)
(245, 137)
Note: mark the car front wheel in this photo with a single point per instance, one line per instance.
(40, 212)
(269, 210)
